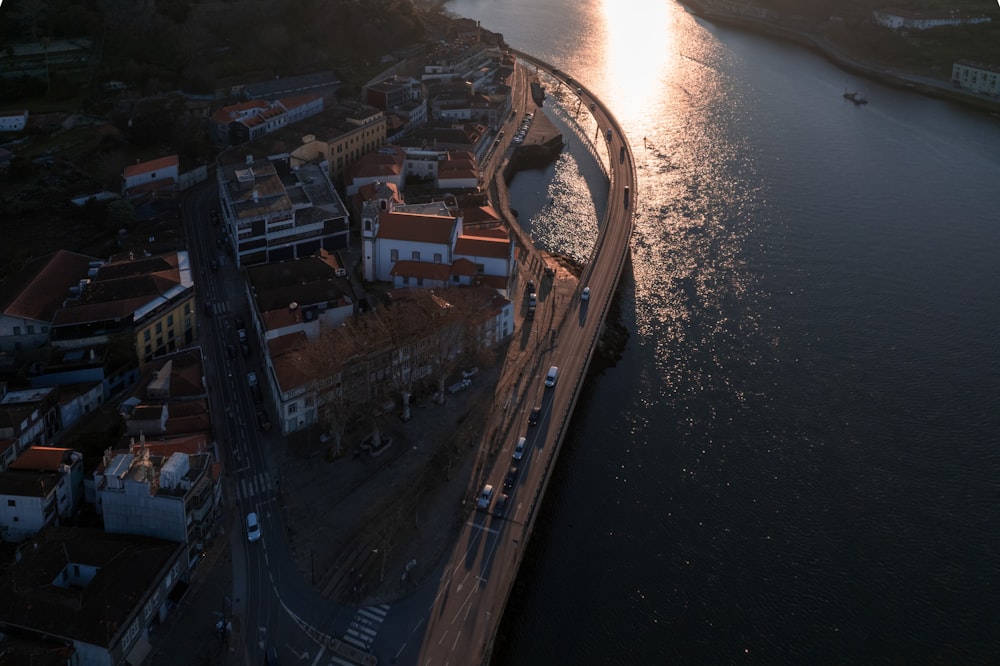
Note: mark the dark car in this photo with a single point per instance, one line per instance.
(531, 285)
(213, 264)
(262, 420)
(536, 414)
(231, 350)
(500, 506)
(511, 478)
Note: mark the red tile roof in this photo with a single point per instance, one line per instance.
(416, 228)
(48, 285)
(47, 458)
(480, 246)
(150, 166)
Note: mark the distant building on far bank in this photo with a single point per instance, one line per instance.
(976, 77)
(13, 121)
(910, 19)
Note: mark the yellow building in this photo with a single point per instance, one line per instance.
(150, 300)
(341, 136)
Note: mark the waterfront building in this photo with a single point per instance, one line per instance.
(910, 19)
(976, 77)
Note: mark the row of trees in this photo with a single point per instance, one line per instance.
(382, 355)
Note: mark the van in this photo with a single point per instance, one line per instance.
(550, 379)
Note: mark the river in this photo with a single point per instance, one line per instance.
(796, 458)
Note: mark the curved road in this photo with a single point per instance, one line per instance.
(454, 621)
(453, 618)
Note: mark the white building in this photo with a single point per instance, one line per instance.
(976, 77)
(896, 19)
(13, 121)
(161, 490)
(43, 486)
(159, 174)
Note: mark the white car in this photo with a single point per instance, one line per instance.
(253, 527)
(585, 296)
(519, 448)
(484, 497)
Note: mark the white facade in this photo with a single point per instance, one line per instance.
(13, 121)
(895, 20)
(976, 77)
(153, 171)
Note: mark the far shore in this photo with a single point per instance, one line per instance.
(897, 78)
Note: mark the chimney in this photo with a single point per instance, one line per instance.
(249, 159)
(256, 196)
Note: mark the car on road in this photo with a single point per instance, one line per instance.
(551, 377)
(500, 507)
(231, 350)
(213, 264)
(485, 496)
(263, 421)
(252, 379)
(519, 448)
(511, 478)
(536, 414)
(585, 295)
(253, 527)
(531, 285)
(532, 299)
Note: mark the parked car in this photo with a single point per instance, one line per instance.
(522, 443)
(252, 379)
(263, 421)
(535, 415)
(585, 295)
(485, 495)
(253, 527)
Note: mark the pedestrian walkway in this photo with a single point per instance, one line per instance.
(365, 625)
(257, 486)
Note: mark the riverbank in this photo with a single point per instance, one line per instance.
(772, 27)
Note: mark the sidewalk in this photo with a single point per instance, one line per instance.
(189, 635)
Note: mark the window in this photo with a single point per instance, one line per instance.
(17, 330)
(170, 319)
(11, 502)
(31, 329)
(393, 256)
(159, 327)
(292, 408)
(437, 257)
(415, 255)
(146, 335)
(420, 282)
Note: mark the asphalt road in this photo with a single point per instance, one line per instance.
(455, 620)
(451, 619)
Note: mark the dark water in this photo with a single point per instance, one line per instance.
(797, 459)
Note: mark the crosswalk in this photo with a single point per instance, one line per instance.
(217, 307)
(365, 625)
(258, 485)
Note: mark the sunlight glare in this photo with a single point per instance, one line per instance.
(637, 52)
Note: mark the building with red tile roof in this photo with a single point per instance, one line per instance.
(161, 173)
(31, 298)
